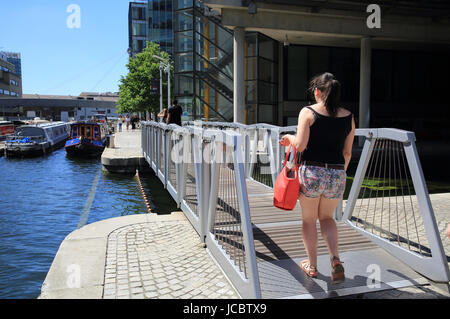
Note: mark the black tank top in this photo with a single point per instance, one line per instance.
(327, 138)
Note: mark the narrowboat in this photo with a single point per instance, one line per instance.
(87, 138)
(6, 128)
(38, 139)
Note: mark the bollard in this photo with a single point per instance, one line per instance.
(111, 141)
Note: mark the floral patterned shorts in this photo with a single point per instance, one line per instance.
(320, 181)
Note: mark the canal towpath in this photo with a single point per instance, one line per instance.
(161, 256)
(125, 155)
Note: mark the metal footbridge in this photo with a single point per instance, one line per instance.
(221, 176)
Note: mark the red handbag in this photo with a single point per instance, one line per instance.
(287, 185)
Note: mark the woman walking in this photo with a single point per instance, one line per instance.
(127, 121)
(325, 135)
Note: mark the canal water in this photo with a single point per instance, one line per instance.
(44, 199)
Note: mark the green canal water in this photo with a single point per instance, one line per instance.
(44, 199)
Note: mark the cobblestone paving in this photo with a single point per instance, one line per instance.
(163, 259)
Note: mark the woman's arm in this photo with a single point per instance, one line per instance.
(347, 151)
(300, 141)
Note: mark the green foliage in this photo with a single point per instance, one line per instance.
(135, 88)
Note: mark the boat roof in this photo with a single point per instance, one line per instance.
(46, 125)
(90, 122)
(85, 122)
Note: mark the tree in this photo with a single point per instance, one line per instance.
(135, 94)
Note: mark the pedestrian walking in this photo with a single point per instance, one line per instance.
(127, 121)
(133, 122)
(163, 115)
(120, 122)
(325, 137)
(174, 114)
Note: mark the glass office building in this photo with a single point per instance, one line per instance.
(160, 25)
(203, 59)
(137, 27)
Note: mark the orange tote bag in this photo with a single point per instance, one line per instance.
(287, 185)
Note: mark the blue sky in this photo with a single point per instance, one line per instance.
(64, 61)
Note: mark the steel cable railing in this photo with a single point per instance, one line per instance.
(227, 224)
(387, 204)
(172, 170)
(190, 195)
(388, 200)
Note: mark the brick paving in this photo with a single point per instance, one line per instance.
(161, 260)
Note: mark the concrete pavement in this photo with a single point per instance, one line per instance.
(135, 257)
(161, 256)
(126, 155)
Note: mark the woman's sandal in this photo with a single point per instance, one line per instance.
(308, 269)
(337, 271)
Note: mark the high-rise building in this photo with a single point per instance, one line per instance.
(254, 59)
(160, 24)
(10, 81)
(137, 27)
(14, 58)
(203, 62)
(203, 59)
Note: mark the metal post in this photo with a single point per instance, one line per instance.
(205, 187)
(369, 144)
(160, 88)
(238, 81)
(364, 84)
(168, 86)
(441, 271)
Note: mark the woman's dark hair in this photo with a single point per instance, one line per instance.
(330, 91)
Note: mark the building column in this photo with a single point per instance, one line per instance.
(238, 75)
(364, 82)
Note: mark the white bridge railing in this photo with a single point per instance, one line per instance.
(205, 167)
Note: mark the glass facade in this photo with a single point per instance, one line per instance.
(403, 83)
(137, 27)
(203, 55)
(261, 79)
(160, 24)
(304, 62)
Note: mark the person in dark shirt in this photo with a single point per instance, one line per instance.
(325, 135)
(174, 114)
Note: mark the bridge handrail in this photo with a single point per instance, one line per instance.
(202, 135)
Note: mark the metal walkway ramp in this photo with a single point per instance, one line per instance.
(279, 249)
(284, 279)
(221, 174)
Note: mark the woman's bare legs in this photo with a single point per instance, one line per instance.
(328, 225)
(310, 213)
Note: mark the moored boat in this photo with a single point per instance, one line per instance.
(87, 138)
(6, 128)
(39, 139)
